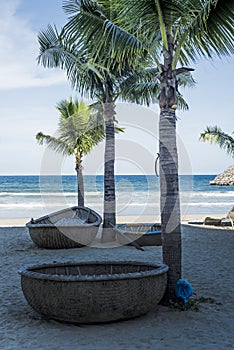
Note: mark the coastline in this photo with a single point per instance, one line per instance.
(19, 222)
(136, 196)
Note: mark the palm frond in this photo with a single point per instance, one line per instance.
(141, 92)
(65, 107)
(217, 136)
(88, 24)
(162, 24)
(144, 87)
(56, 144)
(205, 29)
(186, 80)
(50, 53)
(56, 51)
(182, 104)
(141, 87)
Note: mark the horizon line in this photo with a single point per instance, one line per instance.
(122, 174)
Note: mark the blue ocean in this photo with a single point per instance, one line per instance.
(136, 195)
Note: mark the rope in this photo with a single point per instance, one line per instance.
(155, 165)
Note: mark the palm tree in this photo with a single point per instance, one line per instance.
(89, 77)
(80, 129)
(169, 34)
(214, 134)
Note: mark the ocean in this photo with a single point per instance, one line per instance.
(136, 195)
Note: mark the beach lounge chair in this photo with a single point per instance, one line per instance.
(227, 221)
(230, 216)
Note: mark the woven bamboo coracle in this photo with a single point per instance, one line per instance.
(143, 234)
(94, 292)
(69, 228)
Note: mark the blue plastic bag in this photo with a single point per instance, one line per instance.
(183, 290)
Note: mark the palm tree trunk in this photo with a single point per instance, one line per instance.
(109, 214)
(169, 179)
(80, 180)
(169, 200)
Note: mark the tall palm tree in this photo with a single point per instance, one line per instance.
(89, 77)
(214, 134)
(80, 129)
(170, 34)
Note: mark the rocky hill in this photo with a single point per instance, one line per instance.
(224, 179)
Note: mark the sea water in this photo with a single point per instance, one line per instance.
(136, 195)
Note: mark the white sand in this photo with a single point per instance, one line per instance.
(207, 264)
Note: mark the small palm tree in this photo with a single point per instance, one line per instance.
(80, 129)
(214, 134)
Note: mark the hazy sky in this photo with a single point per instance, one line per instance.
(29, 93)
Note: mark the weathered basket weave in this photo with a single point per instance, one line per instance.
(127, 233)
(48, 232)
(94, 292)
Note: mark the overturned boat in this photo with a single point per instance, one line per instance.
(73, 227)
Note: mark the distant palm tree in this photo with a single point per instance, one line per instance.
(80, 129)
(214, 134)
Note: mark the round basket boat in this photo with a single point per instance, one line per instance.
(73, 227)
(94, 292)
(140, 233)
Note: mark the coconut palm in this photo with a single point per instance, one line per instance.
(90, 78)
(169, 34)
(214, 134)
(80, 129)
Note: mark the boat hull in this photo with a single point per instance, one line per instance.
(52, 231)
(94, 292)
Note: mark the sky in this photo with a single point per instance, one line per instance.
(29, 94)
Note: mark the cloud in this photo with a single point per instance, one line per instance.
(19, 51)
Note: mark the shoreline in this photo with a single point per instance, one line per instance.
(19, 222)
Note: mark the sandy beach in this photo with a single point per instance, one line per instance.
(207, 264)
